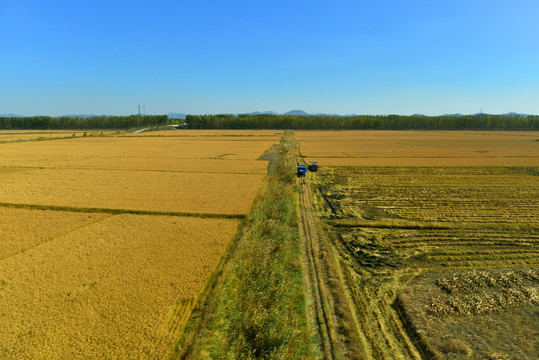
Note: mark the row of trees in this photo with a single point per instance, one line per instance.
(268, 121)
(363, 122)
(69, 122)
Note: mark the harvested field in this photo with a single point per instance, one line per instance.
(476, 314)
(395, 226)
(122, 287)
(420, 148)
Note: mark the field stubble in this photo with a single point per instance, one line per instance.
(400, 226)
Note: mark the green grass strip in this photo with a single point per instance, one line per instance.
(257, 307)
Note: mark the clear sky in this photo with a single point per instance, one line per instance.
(230, 56)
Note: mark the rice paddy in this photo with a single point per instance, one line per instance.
(420, 148)
(106, 242)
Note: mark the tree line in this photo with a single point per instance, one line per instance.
(363, 122)
(270, 121)
(74, 122)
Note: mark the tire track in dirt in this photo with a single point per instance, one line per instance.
(318, 292)
(373, 327)
(336, 331)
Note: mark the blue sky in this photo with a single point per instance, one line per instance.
(363, 57)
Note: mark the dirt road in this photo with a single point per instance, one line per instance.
(328, 304)
(352, 319)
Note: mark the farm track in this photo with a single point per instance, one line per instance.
(337, 330)
(316, 275)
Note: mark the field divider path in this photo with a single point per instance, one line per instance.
(319, 293)
(56, 237)
(122, 211)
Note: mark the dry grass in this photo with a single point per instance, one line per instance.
(122, 287)
(420, 148)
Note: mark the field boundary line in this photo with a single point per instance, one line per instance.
(55, 237)
(133, 170)
(122, 211)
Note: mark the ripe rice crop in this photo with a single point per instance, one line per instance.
(25, 135)
(420, 148)
(275, 135)
(122, 287)
(132, 152)
(23, 229)
(85, 283)
(131, 190)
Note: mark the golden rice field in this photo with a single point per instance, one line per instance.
(29, 135)
(109, 289)
(210, 193)
(420, 148)
(79, 279)
(218, 133)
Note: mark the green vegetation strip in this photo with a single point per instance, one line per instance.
(122, 211)
(363, 122)
(256, 308)
(81, 123)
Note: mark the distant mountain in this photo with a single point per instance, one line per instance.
(264, 113)
(176, 115)
(11, 115)
(326, 114)
(296, 112)
(418, 115)
(516, 114)
(82, 115)
(456, 114)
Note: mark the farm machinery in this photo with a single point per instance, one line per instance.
(302, 170)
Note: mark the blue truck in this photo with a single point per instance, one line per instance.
(302, 170)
